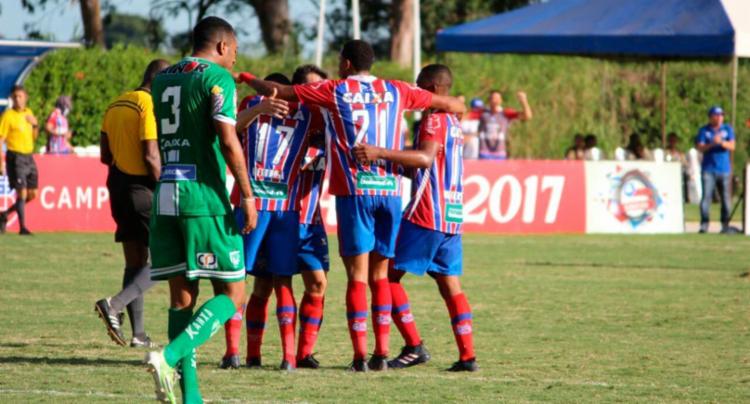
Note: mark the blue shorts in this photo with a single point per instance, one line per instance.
(312, 254)
(421, 250)
(272, 237)
(368, 223)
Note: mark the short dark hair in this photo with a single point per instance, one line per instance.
(278, 78)
(18, 87)
(431, 74)
(359, 53)
(209, 31)
(300, 74)
(494, 90)
(153, 68)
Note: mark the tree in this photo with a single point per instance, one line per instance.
(133, 29)
(275, 25)
(402, 29)
(93, 33)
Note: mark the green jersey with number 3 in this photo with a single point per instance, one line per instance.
(188, 98)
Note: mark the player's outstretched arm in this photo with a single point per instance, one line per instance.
(527, 113)
(448, 103)
(269, 106)
(232, 152)
(420, 158)
(267, 88)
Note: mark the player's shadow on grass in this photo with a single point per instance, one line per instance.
(75, 361)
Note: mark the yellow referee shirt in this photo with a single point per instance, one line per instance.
(129, 120)
(17, 131)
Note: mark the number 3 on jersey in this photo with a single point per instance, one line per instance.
(171, 94)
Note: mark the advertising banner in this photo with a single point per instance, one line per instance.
(634, 197)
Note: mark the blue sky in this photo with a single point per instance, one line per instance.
(62, 19)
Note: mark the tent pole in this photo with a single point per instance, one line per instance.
(663, 104)
(734, 91)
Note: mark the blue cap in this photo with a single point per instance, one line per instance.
(476, 103)
(715, 110)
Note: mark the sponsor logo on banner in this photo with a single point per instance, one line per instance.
(633, 198)
(207, 260)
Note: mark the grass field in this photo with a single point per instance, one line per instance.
(557, 318)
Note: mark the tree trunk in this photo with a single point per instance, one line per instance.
(402, 40)
(275, 26)
(93, 33)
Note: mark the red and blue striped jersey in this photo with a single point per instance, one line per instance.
(363, 109)
(274, 149)
(437, 192)
(309, 183)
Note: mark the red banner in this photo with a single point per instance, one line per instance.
(499, 197)
(72, 196)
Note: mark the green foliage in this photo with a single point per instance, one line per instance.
(131, 29)
(568, 94)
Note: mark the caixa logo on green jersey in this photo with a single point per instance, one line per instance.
(207, 260)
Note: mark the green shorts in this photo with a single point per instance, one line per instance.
(208, 247)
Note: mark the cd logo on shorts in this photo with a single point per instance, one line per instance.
(234, 257)
(207, 260)
(634, 198)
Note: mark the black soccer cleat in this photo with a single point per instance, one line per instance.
(25, 232)
(378, 363)
(359, 365)
(286, 366)
(410, 356)
(253, 363)
(230, 362)
(308, 362)
(111, 321)
(469, 365)
(145, 342)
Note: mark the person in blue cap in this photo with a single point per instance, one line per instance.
(716, 141)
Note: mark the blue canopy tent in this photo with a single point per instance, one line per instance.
(644, 28)
(16, 60)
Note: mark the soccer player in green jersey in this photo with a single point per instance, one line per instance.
(193, 231)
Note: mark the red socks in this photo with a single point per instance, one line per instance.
(402, 316)
(286, 313)
(310, 319)
(460, 313)
(256, 315)
(233, 332)
(381, 314)
(356, 314)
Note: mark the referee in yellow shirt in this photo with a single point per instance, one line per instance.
(129, 147)
(19, 129)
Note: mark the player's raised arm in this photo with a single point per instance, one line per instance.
(271, 105)
(267, 88)
(448, 104)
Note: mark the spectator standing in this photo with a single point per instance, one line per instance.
(635, 149)
(576, 151)
(715, 140)
(129, 148)
(494, 141)
(470, 129)
(58, 130)
(19, 129)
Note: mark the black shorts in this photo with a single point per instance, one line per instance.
(21, 170)
(130, 198)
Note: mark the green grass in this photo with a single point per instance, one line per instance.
(557, 318)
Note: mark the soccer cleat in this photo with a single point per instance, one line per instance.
(308, 362)
(25, 232)
(253, 363)
(378, 363)
(469, 365)
(285, 365)
(164, 375)
(3, 222)
(111, 321)
(359, 365)
(410, 356)
(144, 342)
(230, 362)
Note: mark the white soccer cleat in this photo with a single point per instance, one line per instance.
(164, 375)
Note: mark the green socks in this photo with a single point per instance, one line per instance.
(206, 322)
(178, 320)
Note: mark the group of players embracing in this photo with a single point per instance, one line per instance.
(278, 147)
